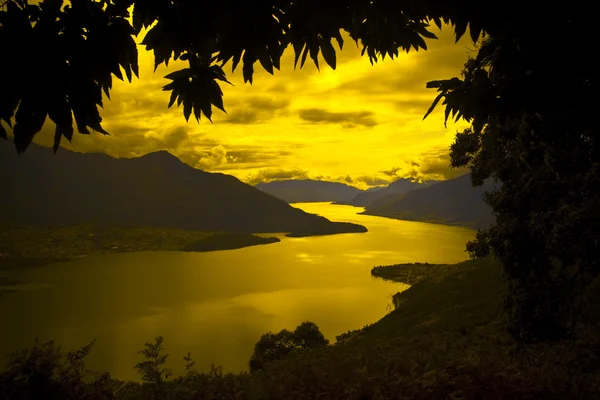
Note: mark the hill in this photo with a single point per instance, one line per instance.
(399, 186)
(452, 202)
(155, 190)
(308, 190)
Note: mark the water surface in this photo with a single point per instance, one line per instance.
(218, 304)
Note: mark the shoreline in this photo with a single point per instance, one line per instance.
(27, 246)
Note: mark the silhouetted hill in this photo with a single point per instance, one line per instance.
(308, 190)
(158, 190)
(399, 186)
(452, 202)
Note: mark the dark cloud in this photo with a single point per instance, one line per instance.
(256, 154)
(414, 106)
(244, 117)
(433, 164)
(371, 180)
(268, 175)
(255, 109)
(392, 171)
(347, 119)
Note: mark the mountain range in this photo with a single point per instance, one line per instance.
(308, 190)
(451, 202)
(397, 187)
(155, 190)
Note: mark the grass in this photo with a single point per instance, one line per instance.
(445, 340)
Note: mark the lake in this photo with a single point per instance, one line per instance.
(216, 305)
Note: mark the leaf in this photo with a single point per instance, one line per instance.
(422, 30)
(173, 98)
(475, 31)
(248, 67)
(304, 54)
(139, 14)
(3, 134)
(217, 101)
(298, 46)
(340, 40)
(314, 52)
(29, 121)
(187, 105)
(328, 53)
(460, 28)
(133, 57)
(434, 104)
(207, 110)
(236, 60)
(419, 42)
(446, 115)
(265, 60)
(57, 138)
(197, 114)
(184, 73)
(276, 57)
(59, 112)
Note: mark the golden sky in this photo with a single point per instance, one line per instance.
(360, 124)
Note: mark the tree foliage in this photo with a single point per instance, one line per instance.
(532, 128)
(67, 54)
(274, 346)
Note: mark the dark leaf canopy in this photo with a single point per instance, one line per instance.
(68, 53)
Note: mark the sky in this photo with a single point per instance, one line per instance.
(360, 124)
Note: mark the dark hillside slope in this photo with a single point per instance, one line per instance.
(39, 188)
(452, 202)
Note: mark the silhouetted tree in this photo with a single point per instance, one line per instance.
(274, 346)
(533, 129)
(527, 93)
(152, 370)
(44, 371)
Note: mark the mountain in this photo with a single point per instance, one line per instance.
(308, 190)
(156, 190)
(399, 186)
(451, 202)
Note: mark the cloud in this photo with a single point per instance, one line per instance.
(255, 109)
(347, 119)
(392, 171)
(214, 158)
(431, 164)
(372, 180)
(269, 175)
(414, 106)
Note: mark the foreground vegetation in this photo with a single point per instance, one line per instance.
(22, 246)
(446, 339)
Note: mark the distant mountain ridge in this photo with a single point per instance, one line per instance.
(399, 186)
(158, 190)
(309, 190)
(451, 202)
